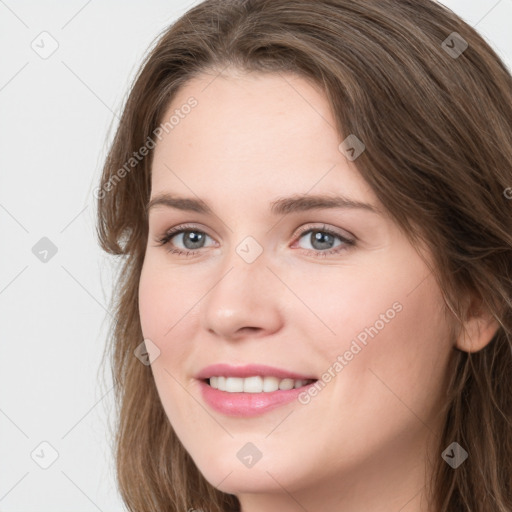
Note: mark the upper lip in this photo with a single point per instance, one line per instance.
(249, 370)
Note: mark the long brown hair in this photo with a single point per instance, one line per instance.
(434, 110)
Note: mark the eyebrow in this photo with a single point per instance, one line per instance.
(282, 206)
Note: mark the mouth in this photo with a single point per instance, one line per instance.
(256, 383)
(251, 389)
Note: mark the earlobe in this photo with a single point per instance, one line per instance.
(479, 329)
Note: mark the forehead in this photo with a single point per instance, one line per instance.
(254, 131)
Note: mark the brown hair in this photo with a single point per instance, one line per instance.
(437, 127)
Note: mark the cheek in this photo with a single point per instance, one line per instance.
(158, 315)
(389, 344)
(393, 310)
(395, 356)
(166, 309)
(162, 299)
(163, 314)
(420, 345)
(168, 306)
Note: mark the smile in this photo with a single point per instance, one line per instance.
(250, 390)
(255, 384)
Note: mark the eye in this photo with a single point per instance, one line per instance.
(322, 241)
(190, 237)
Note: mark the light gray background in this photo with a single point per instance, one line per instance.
(55, 117)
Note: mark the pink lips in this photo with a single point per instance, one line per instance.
(248, 404)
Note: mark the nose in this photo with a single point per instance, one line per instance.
(244, 300)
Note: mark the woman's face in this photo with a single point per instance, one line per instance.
(277, 276)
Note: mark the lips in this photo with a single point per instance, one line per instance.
(247, 403)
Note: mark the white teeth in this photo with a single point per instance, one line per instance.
(234, 384)
(270, 384)
(255, 384)
(286, 384)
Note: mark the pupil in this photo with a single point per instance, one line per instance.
(324, 239)
(194, 238)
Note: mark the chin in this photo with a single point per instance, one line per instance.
(229, 475)
(244, 481)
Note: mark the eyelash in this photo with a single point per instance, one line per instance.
(321, 254)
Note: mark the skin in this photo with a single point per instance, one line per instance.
(361, 443)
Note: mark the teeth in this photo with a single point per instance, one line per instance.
(270, 384)
(255, 384)
(286, 384)
(234, 384)
(252, 384)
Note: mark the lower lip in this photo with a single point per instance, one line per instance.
(248, 404)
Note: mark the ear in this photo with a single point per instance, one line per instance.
(479, 328)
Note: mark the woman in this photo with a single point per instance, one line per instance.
(314, 309)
